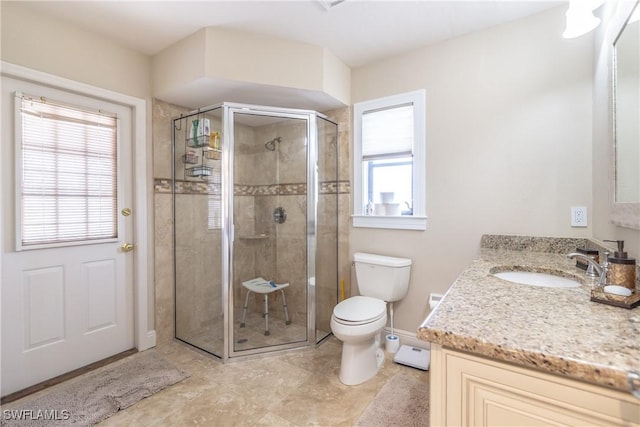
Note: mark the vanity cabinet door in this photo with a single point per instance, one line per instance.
(469, 390)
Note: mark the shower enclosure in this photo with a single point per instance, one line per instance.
(255, 205)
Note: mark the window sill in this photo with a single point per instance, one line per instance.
(390, 222)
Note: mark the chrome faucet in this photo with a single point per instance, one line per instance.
(594, 269)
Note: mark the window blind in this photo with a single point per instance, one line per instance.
(387, 132)
(68, 184)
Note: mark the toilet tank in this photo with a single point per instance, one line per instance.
(382, 277)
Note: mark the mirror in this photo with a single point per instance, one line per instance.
(626, 85)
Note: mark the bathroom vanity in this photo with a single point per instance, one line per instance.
(505, 353)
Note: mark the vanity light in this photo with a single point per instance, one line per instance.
(580, 18)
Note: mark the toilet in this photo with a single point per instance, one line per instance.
(358, 321)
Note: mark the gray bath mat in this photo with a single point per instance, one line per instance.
(97, 395)
(403, 401)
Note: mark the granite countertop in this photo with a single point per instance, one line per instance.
(556, 330)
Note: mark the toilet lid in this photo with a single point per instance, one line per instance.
(360, 309)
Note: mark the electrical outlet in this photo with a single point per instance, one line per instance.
(579, 216)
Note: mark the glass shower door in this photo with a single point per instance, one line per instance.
(198, 232)
(269, 291)
(326, 276)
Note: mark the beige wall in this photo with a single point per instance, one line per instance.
(237, 55)
(52, 46)
(613, 14)
(508, 149)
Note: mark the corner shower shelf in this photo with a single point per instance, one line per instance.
(211, 153)
(255, 237)
(198, 171)
(199, 149)
(190, 158)
(199, 141)
(210, 141)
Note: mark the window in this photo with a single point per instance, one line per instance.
(66, 174)
(389, 172)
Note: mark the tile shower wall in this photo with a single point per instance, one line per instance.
(255, 254)
(163, 219)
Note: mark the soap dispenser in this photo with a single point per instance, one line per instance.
(622, 269)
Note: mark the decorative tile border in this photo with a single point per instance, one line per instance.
(331, 187)
(163, 185)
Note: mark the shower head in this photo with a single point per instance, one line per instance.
(271, 145)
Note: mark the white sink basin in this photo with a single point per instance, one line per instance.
(537, 279)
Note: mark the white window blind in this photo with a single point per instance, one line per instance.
(68, 180)
(387, 132)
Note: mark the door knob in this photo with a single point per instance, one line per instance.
(126, 212)
(127, 247)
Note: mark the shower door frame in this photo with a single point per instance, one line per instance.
(228, 237)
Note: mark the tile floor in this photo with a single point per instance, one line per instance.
(293, 389)
(211, 338)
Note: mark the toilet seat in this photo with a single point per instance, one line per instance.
(359, 310)
(357, 323)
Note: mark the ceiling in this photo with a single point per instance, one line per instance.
(358, 32)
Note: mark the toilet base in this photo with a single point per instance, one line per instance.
(361, 361)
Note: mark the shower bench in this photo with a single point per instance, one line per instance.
(262, 286)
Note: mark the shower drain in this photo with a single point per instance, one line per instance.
(242, 341)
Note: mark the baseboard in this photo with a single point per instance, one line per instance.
(406, 338)
(148, 341)
(65, 377)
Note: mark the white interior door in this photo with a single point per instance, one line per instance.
(63, 307)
